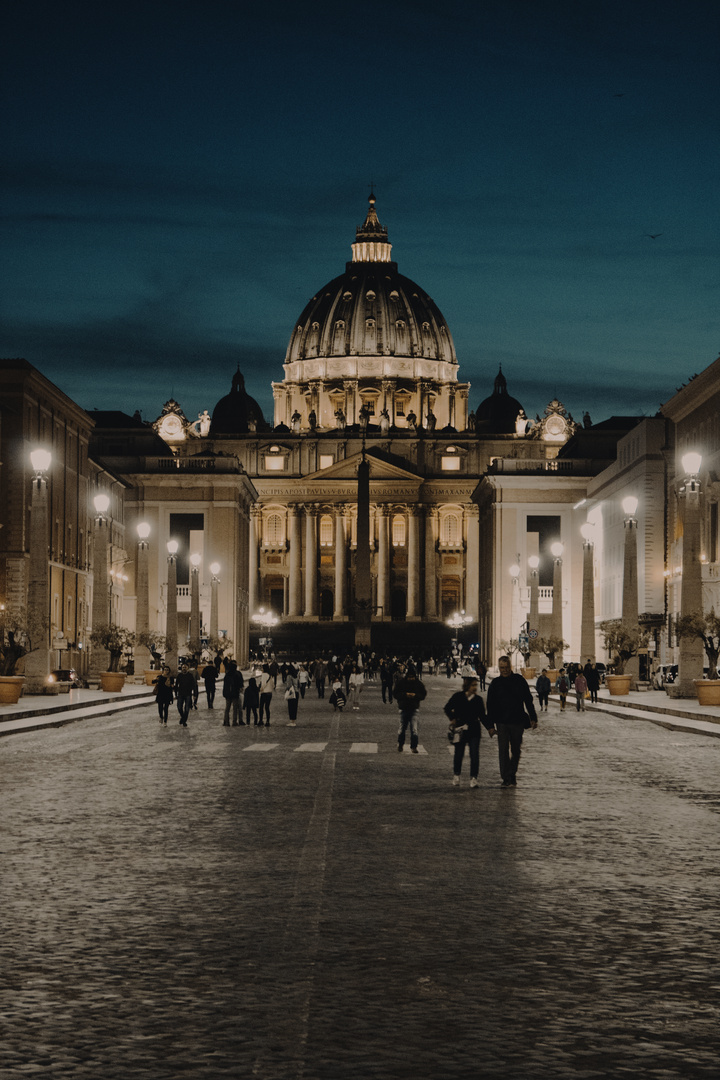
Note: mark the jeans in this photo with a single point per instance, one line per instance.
(320, 683)
(387, 687)
(163, 708)
(473, 743)
(232, 704)
(509, 737)
(543, 700)
(265, 700)
(408, 716)
(210, 691)
(184, 704)
(580, 702)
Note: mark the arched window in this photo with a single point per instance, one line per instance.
(398, 530)
(326, 531)
(450, 532)
(273, 530)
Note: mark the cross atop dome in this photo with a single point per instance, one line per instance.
(371, 238)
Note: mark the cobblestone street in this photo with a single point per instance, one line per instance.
(307, 902)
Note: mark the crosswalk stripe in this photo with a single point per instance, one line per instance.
(261, 746)
(364, 748)
(311, 747)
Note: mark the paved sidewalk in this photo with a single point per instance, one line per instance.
(40, 711)
(307, 903)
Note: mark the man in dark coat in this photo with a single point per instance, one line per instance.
(185, 687)
(232, 688)
(409, 692)
(209, 677)
(510, 710)
(592, 677)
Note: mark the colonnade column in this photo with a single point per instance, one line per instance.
(383, 577)
(472, 560)
(295, 586)
(340, 564)
(254, 539)
(413, 579)
(430, 572)
(311, 561)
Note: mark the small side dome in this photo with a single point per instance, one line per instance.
(497, 414)
(237, 413)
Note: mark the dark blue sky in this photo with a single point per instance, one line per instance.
(179, 180)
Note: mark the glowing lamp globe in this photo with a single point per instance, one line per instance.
(143, 530)
(630, 505)
(587, 531)
(40, 460)
(691, 463)
(557, 549)
(515, 570)
(533, 562)
(172, 546)
(101, 503)
(195, 560)
(215, 568)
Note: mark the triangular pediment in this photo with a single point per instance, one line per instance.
(382, 467)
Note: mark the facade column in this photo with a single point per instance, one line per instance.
(587, 628)
(472, 561)
(142, 610)
(691, 653)
(413, 579)
(630, 582)
(340, 564)
(255, 523)
(431, 517)
(171, 623)
(37, 661)
(294, 608)
(383, 577)
(311, 561)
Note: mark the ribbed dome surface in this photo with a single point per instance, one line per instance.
(497, 414)
(237, 413)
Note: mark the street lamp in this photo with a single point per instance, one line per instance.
(534, 613)
(195, 561)
(457, 622)
(557, 550)
(266, 620)
(587, 627)
(142, 616)
(630, 607)
(37, 661)
(171, 657)
(214, 581)
(691, 648)
(101, 581)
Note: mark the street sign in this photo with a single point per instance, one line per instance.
(533, 633)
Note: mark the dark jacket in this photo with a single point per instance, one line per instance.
(164, 689)
(185, 684)
(542, 684)
(232, 684)
(209, 674)
(409, 692)
(592, 675)
(252, 694)
(509, 700)
(470, 712)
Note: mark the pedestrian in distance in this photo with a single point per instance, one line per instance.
(232, 689)
(409, 692)
(185, 687)
(543, 687)
(562, 686)
(387, 673)
(481, 673)
(292, 695)
(267, 685)
(303, 679)
(337, 697)
(356, 683)
(251, 701)
(320, 676)
(592, 676)
(192, 668)
(164, 693)
(466, 712)
(510, 710)
(580, 691)
(209, 677)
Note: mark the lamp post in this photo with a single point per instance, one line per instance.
(266, 620)
(142, 611)
(37, 661)
(630, 581)
(195, 561)
(587, 626)
(690, 660)
(534, 614)
(457, 622)
(171, 656)
(214, 582)
(557, 550)
(101, 581)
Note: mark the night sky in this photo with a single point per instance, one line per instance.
(179, 179)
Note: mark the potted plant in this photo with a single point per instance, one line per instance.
(707, 629)
(622, 641)
(115, 639)
(550, 647)
(14, 644)
(156, 644)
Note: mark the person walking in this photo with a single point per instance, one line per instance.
(543, 687)
(337, 697)
(386, 680)
(267, 685)
(292, 694)
(580, 691)
(164, 693)
(209, 677)
(251, 701)
(409, 692)
(303, 679)
(481, 673)
(466, 712)
(185, 687)
(592, 676)
(232, 689)
(562, 686)
(356, 683)
(192, 668)
(510, 710)
(320, 676)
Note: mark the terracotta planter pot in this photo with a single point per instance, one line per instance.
(708, 691)
(528, 672)
(552, 674)
(11, 688)
(112, 681)
(151, 676)
(618, 685)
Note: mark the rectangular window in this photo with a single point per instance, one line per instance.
(274, 464)
(451, 464)
(326, 460)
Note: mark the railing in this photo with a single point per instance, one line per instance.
(576, 466)
(193, 464)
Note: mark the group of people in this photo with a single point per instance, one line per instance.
(584, 681)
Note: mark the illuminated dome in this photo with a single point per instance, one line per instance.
(367, 326)
(237, 413)
(498, 414)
